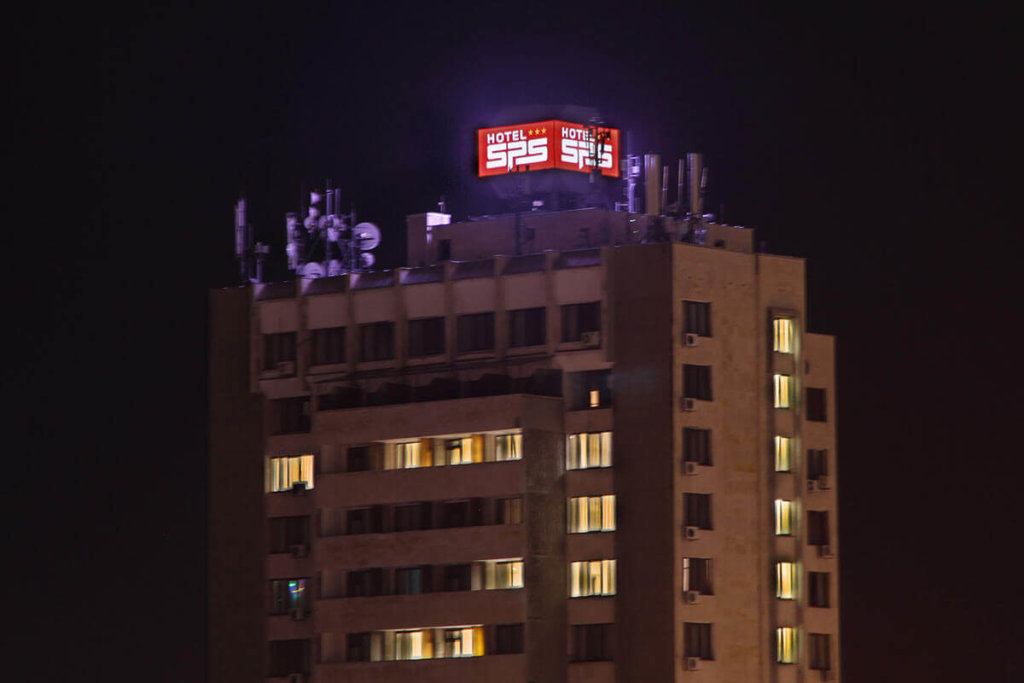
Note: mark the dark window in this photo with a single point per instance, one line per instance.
(590, 389)
(444, 250)
(509, 511)
(462, 513)
(289, 594)
(592, 643)
(426, 337)
(697, 382)
(698, 510)
(288, 657)
(816, 408)
(458, 577)
(580, 318)
(817, 463)
(817, 527)
(817, 589)
(697, 316)
(697, 575)
(527, 327)
(476, 332)
(287, 532)
(412, 580)
(364, 583)
(359, 459)
(697, 445)
(366, 520)
(377, 341)
(278, 348)
(358, 647)
(292, 415)
(508, 639)
(697, 640)
(819, 649)
(412, 517)
(329, 346)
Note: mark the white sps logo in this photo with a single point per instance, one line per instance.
(511, 148)
(578, 149)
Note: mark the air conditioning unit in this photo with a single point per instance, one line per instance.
(296, 678)
(692, 663)
(689, 404)
(591, 340)
(300, 550)
(691, 339)
(692, 597)
(299, 488)
(828, 675)
(690, 468)
(298, 614)
(812, 485)
(823, 482)
(691, 533)
(825, 551)
(286, 367)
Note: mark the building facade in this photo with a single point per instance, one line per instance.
(606, 457)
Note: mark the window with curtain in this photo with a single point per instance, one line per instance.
(783, 517)
(591, 513)
(783, 454)
(785, 645)
(588, 449)
(289, 471)
(591, 577)
(783, 391)
(782, 335)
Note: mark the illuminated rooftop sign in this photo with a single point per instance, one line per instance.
(547, 144)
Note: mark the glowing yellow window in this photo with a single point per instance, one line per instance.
(783, 517)
(593, 449)
(782, 329)
(783, 391)
(592, 577)
(783, 453)
(407, 455)
(465, 641)
(503, 574)
(464, 450)
(289, 472)
(785, 645)
(785, 580)
(508, 447)
(594, 513)
(414, 645)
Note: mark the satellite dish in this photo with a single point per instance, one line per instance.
(367, 234)
(311, 270)
(366, 260)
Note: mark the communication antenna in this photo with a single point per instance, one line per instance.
(325, 242)
(598, 139)
(695, 218)
(245, 251)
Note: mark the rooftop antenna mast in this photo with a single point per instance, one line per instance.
(698, 180)
(245, 251)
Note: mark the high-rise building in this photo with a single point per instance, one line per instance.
(559, 446)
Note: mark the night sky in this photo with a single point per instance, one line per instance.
(874, 141)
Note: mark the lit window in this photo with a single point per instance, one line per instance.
(502, 574)
(464, 450)
(427, 643)
(783, 517)
(463, 642)
(783, 391)
(289, 472)
(783, 453)
(508, 447)
(593, 577)
(782, 335)
(595, 398)
(785, 645)
(407, 455)
(594, 513)
(785, 580)
(589, 449)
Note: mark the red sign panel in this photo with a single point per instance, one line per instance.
(547, 144)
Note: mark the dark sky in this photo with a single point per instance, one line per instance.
(873, 141)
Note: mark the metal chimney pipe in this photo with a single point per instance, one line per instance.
(652, 169)
(695, 163)
(680, 191)
(664, 188)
